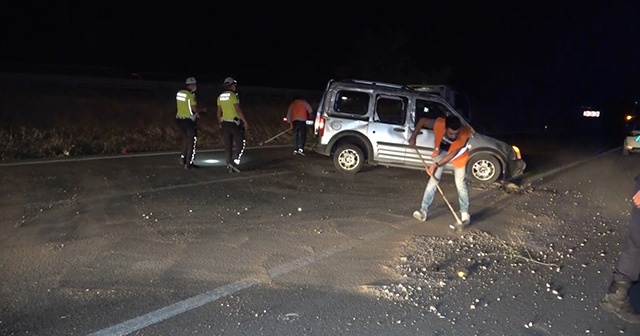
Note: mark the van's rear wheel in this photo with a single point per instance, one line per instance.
(484, 168)
(348, 158)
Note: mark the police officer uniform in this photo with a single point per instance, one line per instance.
(186, 116)
(231, 125)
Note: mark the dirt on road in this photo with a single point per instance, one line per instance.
(291, 247)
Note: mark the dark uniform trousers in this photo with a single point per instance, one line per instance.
(233, 139)
(299, 134)
(628, 265)
(189, 133)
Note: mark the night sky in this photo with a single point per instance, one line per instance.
(519, 55)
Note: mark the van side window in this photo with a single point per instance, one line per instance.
(429, 109)
(352, 102)
(391, 110)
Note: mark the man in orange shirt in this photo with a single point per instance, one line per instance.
(451, 144)
(297, 115)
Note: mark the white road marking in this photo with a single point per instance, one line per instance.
(544, 174)
(238, 177)
(118, 156)
(92, 158)
(199, 300)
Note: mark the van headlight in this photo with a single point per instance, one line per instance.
(516, 152)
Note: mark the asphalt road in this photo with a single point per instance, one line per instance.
(136, 244)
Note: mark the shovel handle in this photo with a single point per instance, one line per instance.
(274, 137)
(438, 186)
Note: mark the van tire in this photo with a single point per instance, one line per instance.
(484, 168)
(348, 158)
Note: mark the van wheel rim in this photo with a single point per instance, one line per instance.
(483, 170)
(348, 159)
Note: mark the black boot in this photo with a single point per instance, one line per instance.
(617, 301)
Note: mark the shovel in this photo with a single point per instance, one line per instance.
(273, 138)
(458, 221)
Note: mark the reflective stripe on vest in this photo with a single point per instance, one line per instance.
(228, 110)
(183, 98)
(462, 150)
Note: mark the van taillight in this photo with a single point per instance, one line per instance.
(320, 126)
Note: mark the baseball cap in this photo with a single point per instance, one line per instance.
(190, 80)
(229, 81)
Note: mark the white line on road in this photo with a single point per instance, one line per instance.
(199, 300)
(162, 314)
(544, 174)
(243, 176)
(92, 158)
(112, 157)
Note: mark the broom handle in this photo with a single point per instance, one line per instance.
(277, 135)
(438, 186)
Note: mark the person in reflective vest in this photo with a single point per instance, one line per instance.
(187, 113)
(232, 123)
(451, 144)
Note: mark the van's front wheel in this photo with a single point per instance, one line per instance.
(348, 158)
(484, 168)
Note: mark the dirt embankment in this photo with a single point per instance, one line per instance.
(57, 116)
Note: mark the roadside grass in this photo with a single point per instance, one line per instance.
(41, 121)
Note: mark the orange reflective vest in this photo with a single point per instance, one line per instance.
(299, 110)
(460, 145)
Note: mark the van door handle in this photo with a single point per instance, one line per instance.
(398, 129)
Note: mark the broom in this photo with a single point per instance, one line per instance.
(426, 168)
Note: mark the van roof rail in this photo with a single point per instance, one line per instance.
(391, 85)
(428, 88)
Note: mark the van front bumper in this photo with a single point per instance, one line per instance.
(515, 169)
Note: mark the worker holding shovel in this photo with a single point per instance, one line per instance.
(451, 144)
(298, 113)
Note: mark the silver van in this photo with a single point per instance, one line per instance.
(360, 122)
